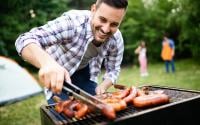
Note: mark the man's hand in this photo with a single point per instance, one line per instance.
(52, 75)
(101, 88)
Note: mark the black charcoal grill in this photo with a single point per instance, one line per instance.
(184, 108)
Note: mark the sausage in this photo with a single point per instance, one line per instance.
(81, 110)
(141, 92)
(108, 111)
(131, 96)
(69, 109)
(76, 108)
(123, 105)
(59, 107)
(68, 112)
(121, 93)
(146, 91)
(118, 94)
(150, 100)
(116, 103)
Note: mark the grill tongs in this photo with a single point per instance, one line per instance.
(94, 103)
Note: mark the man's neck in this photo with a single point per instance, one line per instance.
(97, 44)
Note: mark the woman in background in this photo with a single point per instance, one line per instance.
(141, 50)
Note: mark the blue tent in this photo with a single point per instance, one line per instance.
(16, 83)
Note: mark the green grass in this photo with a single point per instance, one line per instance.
(187, 76)
(22, 113)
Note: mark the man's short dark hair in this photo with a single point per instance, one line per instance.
(113, 3)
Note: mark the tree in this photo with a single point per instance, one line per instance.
(18, 16)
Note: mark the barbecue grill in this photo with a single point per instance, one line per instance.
(184, 107)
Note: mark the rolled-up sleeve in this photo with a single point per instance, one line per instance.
(23, 40)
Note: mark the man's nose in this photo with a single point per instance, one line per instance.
(106, 28)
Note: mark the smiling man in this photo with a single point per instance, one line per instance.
(73, 47)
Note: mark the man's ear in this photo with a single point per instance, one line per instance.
(93, 8)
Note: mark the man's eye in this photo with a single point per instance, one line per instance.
(103, 20)
(114, 24)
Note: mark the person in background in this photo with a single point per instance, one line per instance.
(168, 52)
(73, 47)
(141, 50)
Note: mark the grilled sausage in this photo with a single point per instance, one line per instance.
(76, 108)
(141, 92)
(131, 96)
(117, 103)
(59, 107)
(69, 109)
(81, 110)
(147, 91)
(150, 100)
(121, 93)
(108, 111)
(68, 112)
(118, 94)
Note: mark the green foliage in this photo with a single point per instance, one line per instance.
(190, 27)
(19, 16)
(149, 20)
(81, 4)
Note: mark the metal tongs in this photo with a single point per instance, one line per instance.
(78, 93)
(118, 86)
(73, 90)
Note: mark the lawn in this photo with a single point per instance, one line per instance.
(187, 76)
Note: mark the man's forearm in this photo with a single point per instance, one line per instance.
(101, 88)
(35, 55)
(107, 83)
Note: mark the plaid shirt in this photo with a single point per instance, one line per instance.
(66, 39)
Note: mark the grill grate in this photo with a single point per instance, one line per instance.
(176, 96)
(91, 118)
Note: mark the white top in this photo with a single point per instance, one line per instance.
(142, 53)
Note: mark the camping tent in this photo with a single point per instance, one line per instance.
(16, 83)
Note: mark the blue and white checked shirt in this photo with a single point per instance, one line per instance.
(66, 39)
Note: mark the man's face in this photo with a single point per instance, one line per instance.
(105, 21)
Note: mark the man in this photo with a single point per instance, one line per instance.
(72, 48)
(168, 51)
